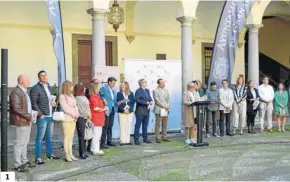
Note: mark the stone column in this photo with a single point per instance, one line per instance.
(98, 38)
(253, 54)
(186, 50)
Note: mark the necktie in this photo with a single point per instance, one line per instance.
(146, 93)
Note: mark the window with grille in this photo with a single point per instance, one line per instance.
(207, 63)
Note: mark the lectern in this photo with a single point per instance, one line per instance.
(200, 108)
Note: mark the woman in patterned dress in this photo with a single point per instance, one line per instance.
(281, 106)
(85, 114)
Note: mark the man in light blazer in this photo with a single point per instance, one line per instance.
(143, 101)
(108, 96)
(161, 99)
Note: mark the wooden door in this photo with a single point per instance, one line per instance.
(85, 60)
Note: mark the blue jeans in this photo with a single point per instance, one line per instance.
(44, 127)
(144, 121)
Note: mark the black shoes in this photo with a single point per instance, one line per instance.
(21, 168)
(111, 145)
(84, 156)
(104, 147)
(137, 143)
(147, 141)
(30, 165)
(230, 134)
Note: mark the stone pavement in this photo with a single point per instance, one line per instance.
(249, 157)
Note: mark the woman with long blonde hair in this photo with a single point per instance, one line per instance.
(126, 103)
(240, 104)
(68, 104)
(98, 110)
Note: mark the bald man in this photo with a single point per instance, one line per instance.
(20, 118)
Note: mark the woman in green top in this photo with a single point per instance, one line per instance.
(281, 106)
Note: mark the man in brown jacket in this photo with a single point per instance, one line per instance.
(20, 118)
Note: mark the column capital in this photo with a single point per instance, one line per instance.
(186, 21)
(98, 13)
(254, 27)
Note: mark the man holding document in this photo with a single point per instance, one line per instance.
(161, 109)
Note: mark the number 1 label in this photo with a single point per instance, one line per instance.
(7, 177)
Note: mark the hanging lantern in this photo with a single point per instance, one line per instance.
(116, 15)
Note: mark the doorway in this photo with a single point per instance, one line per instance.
(82, 56)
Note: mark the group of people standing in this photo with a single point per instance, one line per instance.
(235, 107)
(98, 105)
(80, 105)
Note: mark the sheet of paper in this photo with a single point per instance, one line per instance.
(34, 116)
(107, 111)
(163, 113)
(52, 98)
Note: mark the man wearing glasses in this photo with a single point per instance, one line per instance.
(143, 101)
(226, 98)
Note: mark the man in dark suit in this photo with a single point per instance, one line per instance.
(143, 100)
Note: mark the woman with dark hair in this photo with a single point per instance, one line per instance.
(212, 109)
(252, 105)
(281, 106)
(85, 113)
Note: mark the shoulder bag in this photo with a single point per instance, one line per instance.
(89, 132)
(58, 115)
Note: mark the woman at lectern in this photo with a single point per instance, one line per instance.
(189, 112)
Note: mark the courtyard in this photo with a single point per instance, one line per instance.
(259, 157)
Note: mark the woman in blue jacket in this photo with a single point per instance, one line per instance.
(126, 104)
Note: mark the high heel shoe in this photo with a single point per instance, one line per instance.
(68, 158)
(283, 129)
(73, 157)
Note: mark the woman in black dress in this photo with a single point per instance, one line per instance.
(252, 105)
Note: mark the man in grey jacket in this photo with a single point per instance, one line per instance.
(40, 96)
(161, 99)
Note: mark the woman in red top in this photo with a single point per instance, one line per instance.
(98, 118)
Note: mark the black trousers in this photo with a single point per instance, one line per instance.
(211, 120)
(107, 129)
(251, 119)
(81, 134)
(225, 118)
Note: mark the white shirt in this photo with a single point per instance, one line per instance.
(254, 94)
(112, 94)
(266, 92)
(29, 107)
(226, 98)
(48, 97)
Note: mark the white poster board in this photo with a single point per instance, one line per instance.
(152, 70)
(104, 72)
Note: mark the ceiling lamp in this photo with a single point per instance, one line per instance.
(116, 15)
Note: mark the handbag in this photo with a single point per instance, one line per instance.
(58, 115)
(89, 132)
